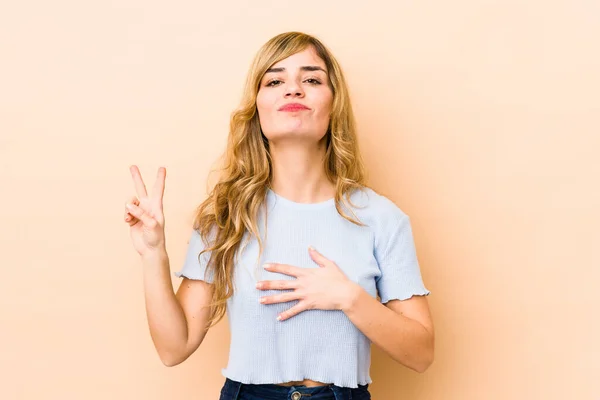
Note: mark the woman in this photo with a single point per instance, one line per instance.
(302, 319)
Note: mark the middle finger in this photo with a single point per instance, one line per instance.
(277, 285)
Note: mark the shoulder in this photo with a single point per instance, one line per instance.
(376, 207)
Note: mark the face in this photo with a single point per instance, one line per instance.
(300, 80)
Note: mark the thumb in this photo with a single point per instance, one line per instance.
(317, 257)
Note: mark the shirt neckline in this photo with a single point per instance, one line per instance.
(299, 206)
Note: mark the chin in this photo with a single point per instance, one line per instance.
(295, 131)
(294, 135)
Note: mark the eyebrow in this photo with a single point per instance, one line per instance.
(303, 68)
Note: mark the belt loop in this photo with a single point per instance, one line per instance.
(341, 393)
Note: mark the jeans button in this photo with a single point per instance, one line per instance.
(296, 395)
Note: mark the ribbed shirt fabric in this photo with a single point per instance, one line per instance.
(321, 345)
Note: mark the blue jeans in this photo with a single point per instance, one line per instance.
(233, 390)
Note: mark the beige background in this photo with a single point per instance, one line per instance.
(480, 119)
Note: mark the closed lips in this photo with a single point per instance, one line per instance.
(293, 107)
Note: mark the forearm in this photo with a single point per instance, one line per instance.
(404, 339)
(166, 320)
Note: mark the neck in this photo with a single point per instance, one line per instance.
(299, 172)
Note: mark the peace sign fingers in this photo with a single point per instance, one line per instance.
(144, 212)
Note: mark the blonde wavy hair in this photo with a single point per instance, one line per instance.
(231, 208)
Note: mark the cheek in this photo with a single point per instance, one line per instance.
(267, 116)
(260, 102)
(325, 106)
(326, 100)
(264, 103)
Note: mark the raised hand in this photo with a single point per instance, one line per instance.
(144, 213)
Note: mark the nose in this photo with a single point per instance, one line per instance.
(294, 90)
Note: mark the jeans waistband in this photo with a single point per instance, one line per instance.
(233, 390)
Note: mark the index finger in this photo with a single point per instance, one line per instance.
(284, 269)
(140, 188)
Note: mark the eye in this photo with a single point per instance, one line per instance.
(276, 82)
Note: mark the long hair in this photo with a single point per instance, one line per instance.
(231, 208)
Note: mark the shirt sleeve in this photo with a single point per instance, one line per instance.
(397, 259)
(194, 265)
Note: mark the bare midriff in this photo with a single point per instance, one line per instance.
(306, 382)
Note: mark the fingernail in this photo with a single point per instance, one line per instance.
(129, 205)
(266, 265)
(311, 248)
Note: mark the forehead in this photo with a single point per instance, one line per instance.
(305, 57)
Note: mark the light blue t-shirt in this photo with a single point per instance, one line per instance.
(321, 345)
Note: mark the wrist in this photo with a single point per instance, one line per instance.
(155, 254)
(351, 294)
